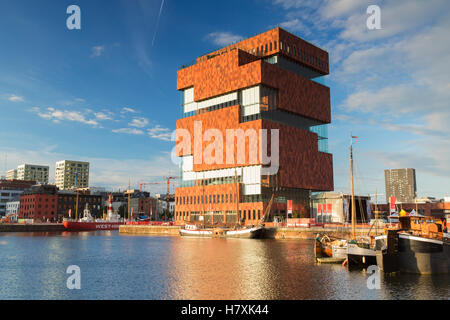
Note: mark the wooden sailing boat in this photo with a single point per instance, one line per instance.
(337, 249)
(238, 231)
(198, 230)
(252, 232)
(359, 251)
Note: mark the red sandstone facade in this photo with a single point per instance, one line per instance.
(267, 82)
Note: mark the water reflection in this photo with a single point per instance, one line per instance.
(137, 267)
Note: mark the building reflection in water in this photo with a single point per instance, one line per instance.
(139, 267)
(243, 269)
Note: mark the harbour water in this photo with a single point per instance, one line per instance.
(113, 266)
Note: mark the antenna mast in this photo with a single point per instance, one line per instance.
(353, 190)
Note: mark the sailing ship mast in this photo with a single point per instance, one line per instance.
(76, 207)
(129, 207)
(76, 202)
(353, 190)
(237, 196)
(203, 205)
(376, 211)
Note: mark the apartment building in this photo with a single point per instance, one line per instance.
(71, 174)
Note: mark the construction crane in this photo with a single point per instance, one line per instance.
(147, 183)
(168, 180)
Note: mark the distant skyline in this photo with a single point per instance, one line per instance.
(107, 94)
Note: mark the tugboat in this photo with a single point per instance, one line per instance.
(88, 223)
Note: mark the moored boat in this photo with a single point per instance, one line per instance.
(91, 226)
(252, 232)
(361, 253)
(257, 232)
(192, 230)
(88, 223)
(237, 231)
(421, 245)
(328, 248)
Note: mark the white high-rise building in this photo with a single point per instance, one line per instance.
(29, 172)
(12, 174)
(71, 174)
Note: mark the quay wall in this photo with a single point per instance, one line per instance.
(149, 230)
(310, 233)
(36, 227)
(281, 233)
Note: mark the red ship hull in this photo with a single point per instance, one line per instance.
(91, 226)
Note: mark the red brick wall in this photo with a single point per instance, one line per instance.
(38, 206)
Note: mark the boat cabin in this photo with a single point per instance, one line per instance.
(427, 227)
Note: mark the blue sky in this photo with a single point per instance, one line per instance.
(107, 93)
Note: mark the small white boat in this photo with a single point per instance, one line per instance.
(258, 232)
(191, 230)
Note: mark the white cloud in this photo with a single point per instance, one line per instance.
(128, 110)
(15, 98)
(398, 100)
(339, 8)
(223, 38)
(63, 115)
(160, 133)
(295, 4)
(397, 16)
(407, 76)
(295, 25)
(139, 122)
(157, 132)
(392, 82)
(97, 51)
(129, 131)
(104, 115)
